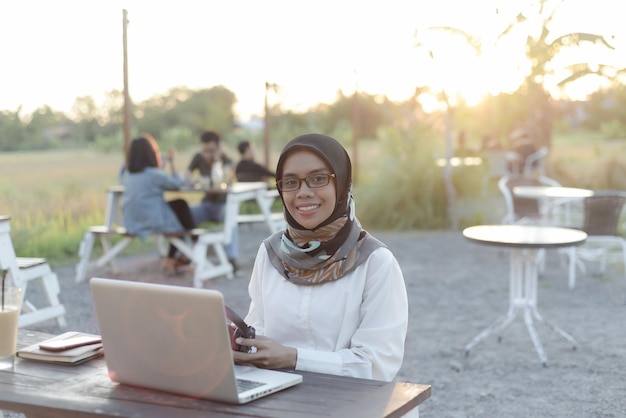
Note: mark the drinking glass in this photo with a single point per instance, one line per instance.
(9, 316)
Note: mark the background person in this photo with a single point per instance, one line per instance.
(522, 143)
(212, 207)
(326, 296)
(144, 209)
(247, 168)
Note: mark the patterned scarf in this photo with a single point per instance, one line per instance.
(320, 256)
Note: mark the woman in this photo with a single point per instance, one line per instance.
(144, 210)
(325, 295)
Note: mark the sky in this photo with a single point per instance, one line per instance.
(55, 51)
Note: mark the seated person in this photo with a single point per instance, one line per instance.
(326, 296)
(247, 169)
(144, 209)
(523, 146)
(212, 207)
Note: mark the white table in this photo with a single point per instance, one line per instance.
(241, 192)
(550, 197)
(459, 161)
(551, 192)
(524, 242)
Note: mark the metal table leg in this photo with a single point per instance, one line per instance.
(522, 297)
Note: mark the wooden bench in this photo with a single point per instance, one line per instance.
(25, 271)
(195, 246)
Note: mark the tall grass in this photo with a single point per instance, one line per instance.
(401, 186)
(52, 197)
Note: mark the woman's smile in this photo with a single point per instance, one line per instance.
(309, 206)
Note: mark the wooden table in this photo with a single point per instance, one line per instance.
(49, 390)
(524, 242)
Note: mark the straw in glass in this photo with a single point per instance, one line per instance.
(4, 275)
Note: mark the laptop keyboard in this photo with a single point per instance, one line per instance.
(243, 384)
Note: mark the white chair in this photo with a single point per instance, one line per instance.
(520, 209)
(527, 211)
(25, 271)
(535, 162)
(496, 166)
(601, 219)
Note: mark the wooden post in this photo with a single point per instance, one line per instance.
(266, 128)
(447, 170)
(355, 136)
(127, 103)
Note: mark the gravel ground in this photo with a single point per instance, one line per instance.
(456, 289)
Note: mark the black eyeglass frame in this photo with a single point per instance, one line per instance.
(306, 180)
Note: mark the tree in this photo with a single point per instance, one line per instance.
(112, 112)
(195, 110)
(12, 132)
(46, 126)
(87, 126)
(535, 23)
(541, 49)
(370, 108)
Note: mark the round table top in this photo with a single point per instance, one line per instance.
(525, 236)
(538, 192)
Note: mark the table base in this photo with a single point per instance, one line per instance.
(522, 298)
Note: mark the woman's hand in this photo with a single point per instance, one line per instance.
(171, 153)
(269, 354)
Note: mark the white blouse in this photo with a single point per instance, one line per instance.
(355, 326)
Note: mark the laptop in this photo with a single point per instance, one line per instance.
(175, 339)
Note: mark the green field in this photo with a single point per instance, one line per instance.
(52, 197)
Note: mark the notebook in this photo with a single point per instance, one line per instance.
(175, 339)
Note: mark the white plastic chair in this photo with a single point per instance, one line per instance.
(496, 162)
(26, 271)
(527, 211)
(534, 162)
(520, 209)
(601, 219)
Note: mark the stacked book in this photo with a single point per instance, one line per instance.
(69, 348)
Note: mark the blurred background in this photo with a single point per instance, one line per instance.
(401, 84)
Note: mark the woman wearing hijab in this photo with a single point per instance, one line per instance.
(326, 296)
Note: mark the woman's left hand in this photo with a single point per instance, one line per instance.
(269, 354)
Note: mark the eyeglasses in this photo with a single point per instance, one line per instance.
(291, 184)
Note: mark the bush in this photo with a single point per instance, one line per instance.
(613, 129)
(403, 188)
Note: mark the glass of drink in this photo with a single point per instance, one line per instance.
(205, 182)
(9, 316)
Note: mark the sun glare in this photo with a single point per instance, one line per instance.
(344, 48)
